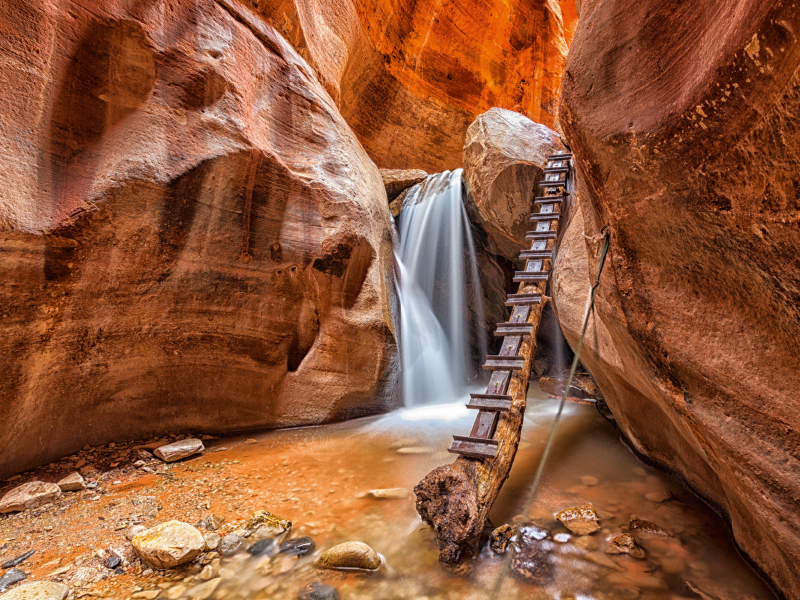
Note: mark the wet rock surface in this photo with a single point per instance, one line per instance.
(264, 524)
(397, 181)
(350, 555)
(29, 495)
(625, 543)
(580, 520)
(532, 562)
(318, 591)
(297, 546)
(688, 156)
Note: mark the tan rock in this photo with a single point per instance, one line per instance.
(37, 590)
(397, 181)
(389, 494)
(580, 520)
(72, 483)
(625, 543)
(169, 544)
(504, 156)
(266, 524)
(350, 555)
(205, 590)
(29, 495)
(179, 450)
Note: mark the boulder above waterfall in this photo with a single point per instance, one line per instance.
(504, 156)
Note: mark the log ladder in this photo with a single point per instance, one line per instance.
(533, 280)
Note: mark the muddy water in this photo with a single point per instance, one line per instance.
(316, 477)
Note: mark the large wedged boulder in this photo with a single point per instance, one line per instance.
(192, 237)
(685, 124)
(504, 156)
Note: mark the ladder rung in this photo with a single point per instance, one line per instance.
(528, 276)
(496, 363)
(504, 329)
(516, 299)
(560, 156)
(490, 397)
(540, 235)
(545, 216)
(474, 447)
(553, 184)
(546, 200)
(557, 169)
(498, 405)
(529, 254)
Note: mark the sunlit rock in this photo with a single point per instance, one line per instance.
(38, 590)
(580, 520)
(350, 555)
(179, 450)
(29, 495)
(72, 483)
(169, 544)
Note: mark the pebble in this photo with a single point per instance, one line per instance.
(179, 450)
(262, 548)
(19, 560)
(112, 562)
(562, 538)
(169, 544)
(207, 573)
(175, 592)
(211, 522)
(580, 520)
(624, 543)
(134, 530)
(646, 527)
(29, 495)
(350, 555)
(297, 546)
(38, 590)
(212, 540)
(230, 544)
(318, 591)
(11, 577)
(72, 483)
(389, 494)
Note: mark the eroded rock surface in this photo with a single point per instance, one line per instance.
(192, 237)
(169, 544)
(29, 495)
(685, 128)
(504, 154)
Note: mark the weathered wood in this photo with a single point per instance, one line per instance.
(456, 499)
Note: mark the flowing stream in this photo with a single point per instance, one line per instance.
(438, 273)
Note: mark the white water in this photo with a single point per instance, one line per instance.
(438, 268)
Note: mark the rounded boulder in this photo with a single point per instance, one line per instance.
(169, 544)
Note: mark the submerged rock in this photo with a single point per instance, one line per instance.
(29, 495)
(318, 591)
(262, 548)
(580, 520)
(529, 532)
(297, 546)
(659, 497)
(642, 526)
(38, 590)
(533, 563)
(169, 544)
(212, 540)
(350, 555)
(180, 449)
(230, 544)
(72, 483)
(625, 543)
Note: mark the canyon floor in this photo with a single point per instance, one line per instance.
(320, 478)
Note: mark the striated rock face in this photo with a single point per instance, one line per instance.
(685, 122)
(504, 156)
(191, 236)
(411, 75)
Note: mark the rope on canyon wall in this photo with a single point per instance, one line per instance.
(549, 446)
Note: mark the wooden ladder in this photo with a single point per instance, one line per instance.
(539, 261)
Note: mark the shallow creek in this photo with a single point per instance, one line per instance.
(318, 477)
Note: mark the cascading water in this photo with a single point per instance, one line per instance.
(437, 268)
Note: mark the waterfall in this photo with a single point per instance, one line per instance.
(437, 271)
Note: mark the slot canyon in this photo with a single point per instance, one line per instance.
(266, 262)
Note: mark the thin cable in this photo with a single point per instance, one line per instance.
(549, 446)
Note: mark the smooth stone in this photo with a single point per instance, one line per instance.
(112, 562)
(29, 495)
(72, 483)
(267, 524)
(389, 494)
(169, 544)
(180, 449)
(350, 555)
(318, 591)
(205, 590)
(19, 560)
(625, 543)
(230, 544)
(11, 577)
(580, 520)
(38, 590)
(212, 540)
(262, 548)
(297, 546)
